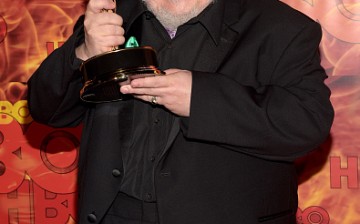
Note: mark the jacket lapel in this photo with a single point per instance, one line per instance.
(235, 22)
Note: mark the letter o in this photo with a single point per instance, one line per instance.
(55, 151)
(44, 150)
(316, 215)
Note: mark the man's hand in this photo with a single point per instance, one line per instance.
(103, 29)
(172, 90)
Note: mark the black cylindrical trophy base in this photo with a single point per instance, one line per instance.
(104, 73)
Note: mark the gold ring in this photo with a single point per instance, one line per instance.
(153, 100)
(107, 10)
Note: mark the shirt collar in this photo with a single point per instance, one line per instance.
(212, 19)
(130, 11)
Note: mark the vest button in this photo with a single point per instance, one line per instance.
(116, 173)
(92, 218)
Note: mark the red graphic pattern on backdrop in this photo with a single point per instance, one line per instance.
(37, 173)
(3, 29)
(38, 163)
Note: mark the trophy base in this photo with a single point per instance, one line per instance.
(104, 74)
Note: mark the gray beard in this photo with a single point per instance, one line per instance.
(170, 20)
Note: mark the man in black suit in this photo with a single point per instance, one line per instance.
(211, 142)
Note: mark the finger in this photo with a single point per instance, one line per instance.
(104, 19)
(96, 6)
(149, 82)
(100, 28)
(128, 89)
(155, 100)
(109, 30)
(112, 18)
(107, 42)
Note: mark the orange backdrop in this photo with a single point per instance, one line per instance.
(38, 164)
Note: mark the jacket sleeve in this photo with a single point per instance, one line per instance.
(54, 88)
(281, 119)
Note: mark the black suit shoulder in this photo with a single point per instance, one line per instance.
(267, 18)
(276, 12)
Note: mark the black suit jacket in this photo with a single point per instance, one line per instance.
(258, 102)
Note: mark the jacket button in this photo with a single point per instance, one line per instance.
(149, 196)
(116, 173)
(165, 174)
(92, 218)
